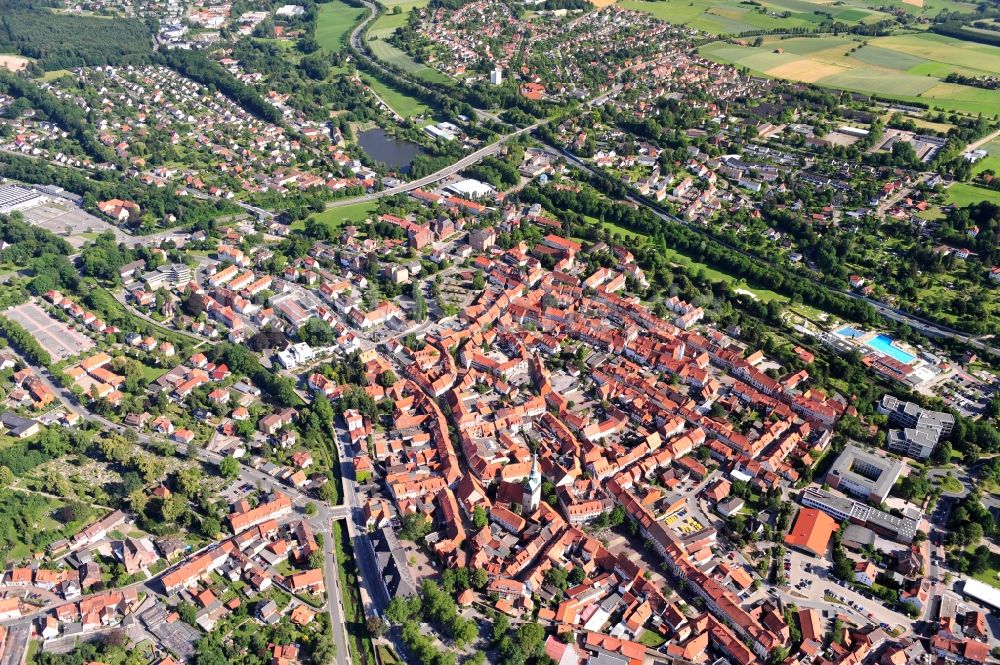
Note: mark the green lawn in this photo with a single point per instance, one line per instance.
(992, 159)
(54, 74)
(401, 103)
(387, 23)
(383, 27)
(387, 655)
(388, 53)
(355, 213)
(334, 23)
(962, 194)
(152, 373)
(950, 484)
(989, 576)
(651, 639)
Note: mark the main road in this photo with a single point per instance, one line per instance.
(437, 176)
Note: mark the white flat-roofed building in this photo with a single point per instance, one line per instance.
(982, 593)
(15, 197)
(295, 355)
(471, 189)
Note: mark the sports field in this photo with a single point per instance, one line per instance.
(730, 17)
(335, 21)
(962, 194)
(355, 213)
(909, 67)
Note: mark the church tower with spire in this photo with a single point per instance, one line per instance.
(532, 490)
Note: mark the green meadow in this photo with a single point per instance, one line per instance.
(335, 21)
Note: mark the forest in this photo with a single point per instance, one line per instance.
(58, 41)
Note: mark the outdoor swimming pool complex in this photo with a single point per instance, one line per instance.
(849, 332)
(884, 345)
(881, 343)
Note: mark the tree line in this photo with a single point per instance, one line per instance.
(196, 66)
(697, 246)
(157, 203)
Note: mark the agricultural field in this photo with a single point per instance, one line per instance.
(335, 21)
(908, 67)
(728, 17)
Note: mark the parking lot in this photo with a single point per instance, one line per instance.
(810, 580)
(64, 219)
(56, 337)
(965, 393)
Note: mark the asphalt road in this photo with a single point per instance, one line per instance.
(960, 473)
(451, 170)
(16, 644)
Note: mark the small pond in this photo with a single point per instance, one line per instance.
(394, 153)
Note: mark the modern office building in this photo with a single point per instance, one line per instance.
(916, 443)
(922, 428)
(168, 276)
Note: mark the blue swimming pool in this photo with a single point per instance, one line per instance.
(884, 345)
(849, 332)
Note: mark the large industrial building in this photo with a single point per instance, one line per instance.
(15, 197)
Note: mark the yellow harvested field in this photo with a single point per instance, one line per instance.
(807, 71)
(13, 63)
(915, 3)
(602, 3)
